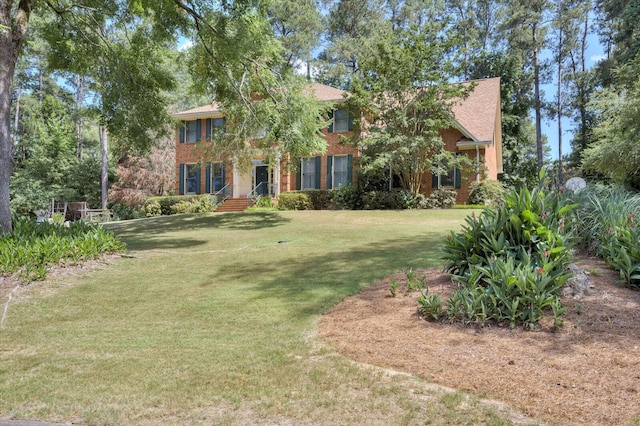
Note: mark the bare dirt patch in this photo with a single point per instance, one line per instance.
(588, 372)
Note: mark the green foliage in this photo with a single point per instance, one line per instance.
(430, 305)
(265, 202)
(122, 211)
(320, 199)
(196, 204)
(379, 200)
(405, 97)
(414, 281)
(485, 192)
(621, 250)
(294, 200)
(347, 197)
(393, 287)
(440, 199)
(616, 153)
(605, 225)
(168, 205)
(32, 248)
(511, 259)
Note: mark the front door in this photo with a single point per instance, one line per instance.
(262, 177)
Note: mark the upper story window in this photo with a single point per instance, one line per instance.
(342, 121)
(190, 131)
(215, 126)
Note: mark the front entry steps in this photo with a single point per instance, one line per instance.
(234, 205)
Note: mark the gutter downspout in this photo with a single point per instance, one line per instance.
(477, 163)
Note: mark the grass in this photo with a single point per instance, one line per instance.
(213, 321)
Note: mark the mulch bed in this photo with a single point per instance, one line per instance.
(588, 372)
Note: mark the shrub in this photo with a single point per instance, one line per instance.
(265, 202)
(198, 204)
(485, 192)
(32, 248)
(122, 211)
(378, 200)
(188, 204)
(348, 198)
(440, 199)
(153, 209)
(511, 259)
(294, 200)
(320, 199)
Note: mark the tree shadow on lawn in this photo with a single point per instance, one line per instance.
(163, 232)
(315, 283)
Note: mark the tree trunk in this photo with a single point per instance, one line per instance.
(12, 35)
(7, 66)
(79, 117)
(105, 165)
(559, 105)
(536, 88)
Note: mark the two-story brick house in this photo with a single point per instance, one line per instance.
(475, 132)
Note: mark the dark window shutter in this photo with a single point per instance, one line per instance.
(208, 130)
(318, 172)
(457, 179)
(182, 132)
(349, 169)
(434, 182)
(207, 179)
(198, 180)
(198, 129)
(329, 171)
(331, 123)
(350, 122)
(299, 175)
(181, 188)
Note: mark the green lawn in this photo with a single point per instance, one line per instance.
(212, 320)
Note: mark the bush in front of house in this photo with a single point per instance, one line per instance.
(440, 199)
(198, 204)
(179, 204)
(294, 200)
(320, 199)
(485, 192)
(511, 260)
(347, 198)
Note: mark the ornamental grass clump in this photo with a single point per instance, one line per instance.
(607, 225)
(511, 260)
(31, 249)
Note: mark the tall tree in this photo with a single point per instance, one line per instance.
(404, 94)
(526, 31)
(297, 24)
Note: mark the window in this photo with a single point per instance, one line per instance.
(447, 180)
(340, 171)
(341, 121)
(193, 128)
(309, 173)
(192, 179)
(215, 126)
(217, 177)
